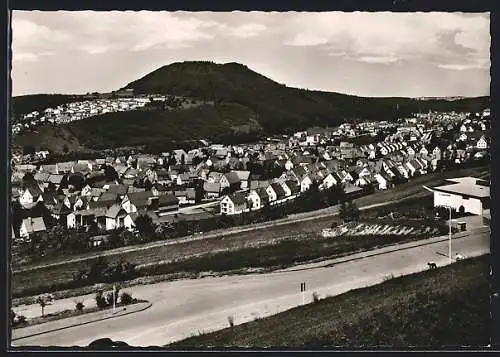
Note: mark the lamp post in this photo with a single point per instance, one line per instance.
(449, 223)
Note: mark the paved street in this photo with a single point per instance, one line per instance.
(182, 308)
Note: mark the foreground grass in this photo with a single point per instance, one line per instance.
(446, 307)
(281, 254)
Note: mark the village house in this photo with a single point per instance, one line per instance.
(30, 195)
(30, 226)
(115, 217)
(276, 193)
(230, 181)
(236, 203)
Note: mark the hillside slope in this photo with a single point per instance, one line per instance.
(245, 102)
(281, 108)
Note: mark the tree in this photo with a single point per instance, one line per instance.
(110, 173)
(65, 148)
(98, 269)
(42, 302)
(144, 224)
(349, 211)
(29, 150)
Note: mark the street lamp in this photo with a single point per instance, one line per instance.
(449, 224)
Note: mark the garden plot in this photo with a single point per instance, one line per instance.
(383, 229)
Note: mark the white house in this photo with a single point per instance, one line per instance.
(234, 204)
(256, 200)
(382, 182)
(115, 217)
(482, 143)
(30, 195)
(305, 183)
(466, 195)
(30, 226)
(328, 182)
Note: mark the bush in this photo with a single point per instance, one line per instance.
(21, 319)
(126, 298)
(79, 306)
(100, 300)
(315, 296)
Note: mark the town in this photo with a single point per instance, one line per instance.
(114, 194)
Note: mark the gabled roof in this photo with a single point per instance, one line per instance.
(242, 175)
(108, 197)
(118, 189)
(140, 199)
(168, 199)
(42, 176)
(293, 186)
(34, 225)
(278, 189)
(213, 187)
(232, 177)
(238, 198)
(114, 211)
(261, 191)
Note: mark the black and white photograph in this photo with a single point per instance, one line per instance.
(260, 180)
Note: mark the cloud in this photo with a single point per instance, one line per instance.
(95, 32)
(31, 40)
(392, 37)
(248, 30)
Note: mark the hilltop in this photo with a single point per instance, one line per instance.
(238, 103)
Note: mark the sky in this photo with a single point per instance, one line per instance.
(366, 54)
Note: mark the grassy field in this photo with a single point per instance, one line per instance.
(448, 307)
(25, 281)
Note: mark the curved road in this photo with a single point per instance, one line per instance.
(186, 307)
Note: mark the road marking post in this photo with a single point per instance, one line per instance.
(114, 297)
(303, 290)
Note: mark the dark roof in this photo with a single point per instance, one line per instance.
(232, 178)
(239, 198)
(261, 191)
(140, 199)
(211, 187)
(114, 211)
(280, 192)
(168, 199)
(108, 197)
(118, 189)
(294, 187)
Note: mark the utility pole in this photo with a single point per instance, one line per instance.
(449, 245)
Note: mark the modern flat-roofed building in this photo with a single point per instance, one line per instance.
(464, 194)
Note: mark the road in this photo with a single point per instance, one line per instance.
(185, 307)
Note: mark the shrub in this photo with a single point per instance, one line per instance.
(21, 319)
(230, 319)
(79, 306)
(126, 298)
(315, 296)
(100, 300)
